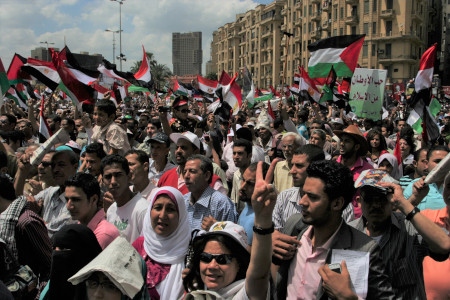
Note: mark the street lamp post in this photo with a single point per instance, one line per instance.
(121, 55)
(114, 42)
(46, 56)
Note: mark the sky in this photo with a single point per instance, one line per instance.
(81, 25)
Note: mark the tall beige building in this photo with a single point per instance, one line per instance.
(272, 39)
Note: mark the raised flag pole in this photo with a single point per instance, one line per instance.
(283, 82)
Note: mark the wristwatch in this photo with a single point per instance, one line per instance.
(412, 213)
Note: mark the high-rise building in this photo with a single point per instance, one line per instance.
(187, 54)
(272, 39)
(42, 53)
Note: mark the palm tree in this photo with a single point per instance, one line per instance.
(160, 74)
(137, 64)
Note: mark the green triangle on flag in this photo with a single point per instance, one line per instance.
(434, 107)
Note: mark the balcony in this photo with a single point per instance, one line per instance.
(315, 1)
(395, 35)
(351, 20)
(316, 34)
(298, 5)
(266, 34)
(387, 14)
(326, 5)
(389, 59)
(351, 2)
(416, 17)
(317, 16)
(283, 27)
(325, 25)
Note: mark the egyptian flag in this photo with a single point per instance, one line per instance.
(44, 71)
(231, 91)
(339, 51)
(420, 117)
(143, 74)
(207, 85)
(44, 130)
(109, 70)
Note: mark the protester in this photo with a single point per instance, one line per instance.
(388, 162)
(377, 145)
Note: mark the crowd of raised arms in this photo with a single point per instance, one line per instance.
(155, 200)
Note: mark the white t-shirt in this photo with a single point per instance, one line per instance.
(129, 218)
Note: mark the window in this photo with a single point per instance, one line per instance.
(335, 32)
(366, 6)
(353, 30)
(341, 31)
(341, 13)
(388, 28)
(389, 4)
(364, 50)
(374, 50)
(366, 28)
(374, 5)
(374, 28)
(388, 50)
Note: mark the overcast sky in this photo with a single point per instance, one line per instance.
(81, 25)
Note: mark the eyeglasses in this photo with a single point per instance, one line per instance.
(108, 286)
(221, 259)
(185, 111)
(46, 164)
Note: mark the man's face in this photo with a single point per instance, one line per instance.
(138, 170)
(79, 206)
(181, 112)
(384, 132)
(264, 133)
(316, 206)
(93, 163)
(45, 168)
(435, 158)
(67, 126)
(422, 164)
(315, 139)
(25, 127)
(446, 120)
(240, 157)
(143, 121)
(348, 146)
(194, 178)
(62, 169)
(401, 125)
(247, 186)
(298, 170)
(131, 125)
(183, 151)
(79, 125)
(314, 126)
(376, 207)
(54, 126)
(116, 180)
(5, 125)
(288, 146)
(159, 151)
(151, 129)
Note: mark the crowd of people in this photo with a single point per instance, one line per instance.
(157, 200)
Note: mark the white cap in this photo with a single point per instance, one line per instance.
(228, 228)
(191, 137)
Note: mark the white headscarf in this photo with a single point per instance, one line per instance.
(396, 171)
(170, 249)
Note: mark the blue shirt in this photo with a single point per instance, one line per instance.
(247, 220)
(433, 200)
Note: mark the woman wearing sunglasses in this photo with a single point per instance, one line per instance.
(221, 263)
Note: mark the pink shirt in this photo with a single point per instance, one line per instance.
(104, 231)
(304, 279)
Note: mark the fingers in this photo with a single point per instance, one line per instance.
(259, 173)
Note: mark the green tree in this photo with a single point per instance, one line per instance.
(211, 76)
(160, 75)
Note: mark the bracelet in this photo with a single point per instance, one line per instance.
(412, 213)
(264, 231)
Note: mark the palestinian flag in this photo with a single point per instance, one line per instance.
(143, 74)
(339, 51)
(179, 89)
(421, 115)
(207, 85)
(15, 73)
(44, 130)
(328, 88)
(251, 96)
(4, 82)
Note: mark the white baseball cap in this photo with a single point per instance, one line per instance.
(191, 137)
(230, 229)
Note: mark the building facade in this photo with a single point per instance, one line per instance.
(271, 40)
(187, 54)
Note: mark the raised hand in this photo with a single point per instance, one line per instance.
(263, 199)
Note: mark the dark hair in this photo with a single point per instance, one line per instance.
(70, 122)
(12, 136)
(243, 143)
(320, 122)
(86, 182)
(371, 134)
(205, 164)
(277, 123)
(417, 152)
(313, 152)
(3, 159)
(303, 114)
(7, 191)
(338, 179)
(115, 159)
(407, 134)
(388, 125)
(265, 167)
(55, 118)
(437, 148)
(193, 280)
(142, 157)
(96, 148)
(11, 118)
(156, 123)
(106, 106)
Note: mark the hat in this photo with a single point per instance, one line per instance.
(74, 146)
(264, 125)
(180, 101)
(250, 124)
(372, 178)
(120, 262)
(230, 229)
(187, 136)
(335, 138)
(258, 111)
(356, 134)
(337, 121)
(161, 138)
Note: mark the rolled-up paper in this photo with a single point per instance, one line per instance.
(60, 137)
(439, 172)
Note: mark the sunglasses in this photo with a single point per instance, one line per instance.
(185, 111)
(46, 164)
(221, 259)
